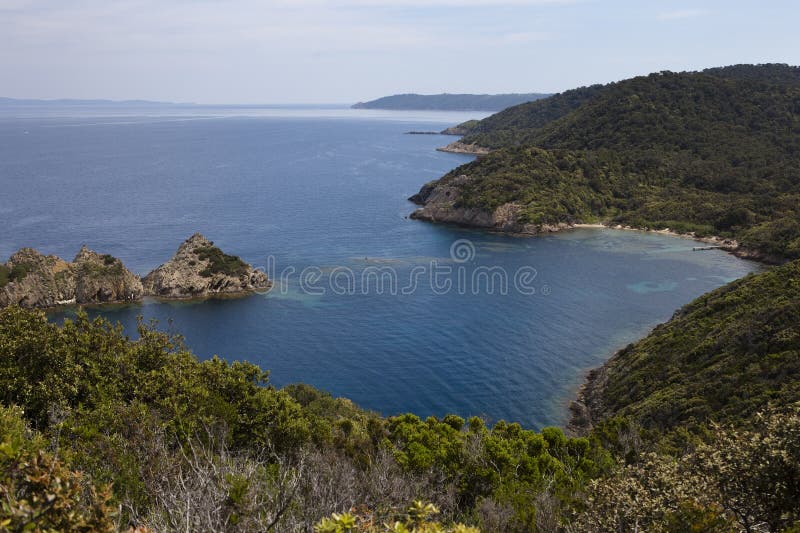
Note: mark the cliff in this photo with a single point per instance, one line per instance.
(199, 269)
(31, 279)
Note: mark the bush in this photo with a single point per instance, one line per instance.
(220, 262)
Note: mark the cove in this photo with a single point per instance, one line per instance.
(326, 193)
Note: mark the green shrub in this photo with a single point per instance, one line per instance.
(17, 273)
(220, 262)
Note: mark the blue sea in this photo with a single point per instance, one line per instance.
(395, 314)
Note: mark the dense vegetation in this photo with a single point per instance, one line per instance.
(716, 152)
(176, 443)
(149, 436)
(449, 102)
(722, 357)
(219, 262)
(7, 275)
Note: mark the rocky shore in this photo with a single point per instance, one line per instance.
(462, 148)
(198, 270)
(440, 204)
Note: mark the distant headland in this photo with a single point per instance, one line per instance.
(449, 102)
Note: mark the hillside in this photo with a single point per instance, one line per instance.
(668, 97)
(723, 357)
(449, 102)
(714, 152)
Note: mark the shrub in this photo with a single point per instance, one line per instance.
(220, 262)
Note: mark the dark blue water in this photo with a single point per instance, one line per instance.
(326, 192)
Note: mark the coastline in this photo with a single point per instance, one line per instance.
(731, 246)
(458, 147)
(585, 408)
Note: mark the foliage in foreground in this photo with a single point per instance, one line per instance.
(699, 431)
(209, 445)
(736, 479)
(417, 518)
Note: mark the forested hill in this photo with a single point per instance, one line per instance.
(715, 152)
(449, 102)
(655, 110)
(723, 357)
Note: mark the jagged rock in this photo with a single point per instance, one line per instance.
(35, 280)
(103, 278)
(199, 269)
(463, 148)
(31, 279)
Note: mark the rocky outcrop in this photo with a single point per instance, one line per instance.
(462, 148)
(31, 279)
(200, 270)
(103, 278)
(440, 203)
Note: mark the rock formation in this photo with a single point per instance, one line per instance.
(103, 278)
(199, 269)
(463, 148)
(31, 279)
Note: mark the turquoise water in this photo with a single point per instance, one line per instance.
(396, 314)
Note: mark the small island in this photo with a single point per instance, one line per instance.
(198, 270)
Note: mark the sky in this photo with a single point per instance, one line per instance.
(343, 51)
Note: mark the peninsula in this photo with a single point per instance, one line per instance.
(711, 153)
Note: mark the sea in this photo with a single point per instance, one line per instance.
(396, 314)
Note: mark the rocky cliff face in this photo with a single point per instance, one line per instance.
(199, 269)
(32, 279)
(463, 148)
(103, 278)
(439, 201)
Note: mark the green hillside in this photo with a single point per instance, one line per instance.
(715, 152)
(724, 357)
(670, 103)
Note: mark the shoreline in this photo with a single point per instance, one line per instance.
(584, 408)
(458, 147)
(730, 246)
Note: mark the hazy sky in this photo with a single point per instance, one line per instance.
(281, 51)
